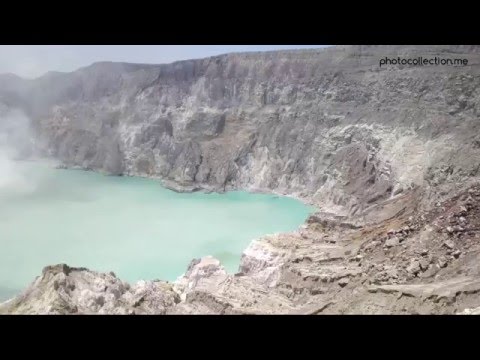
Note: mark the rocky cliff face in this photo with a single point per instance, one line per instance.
(330, 126)
(365, 143)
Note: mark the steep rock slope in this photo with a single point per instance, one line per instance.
(330, 126)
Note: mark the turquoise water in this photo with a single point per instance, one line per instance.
(131, 226)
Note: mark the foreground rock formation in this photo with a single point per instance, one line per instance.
(417, 262)
(390, 155)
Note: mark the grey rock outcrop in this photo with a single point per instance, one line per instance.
(65, 290)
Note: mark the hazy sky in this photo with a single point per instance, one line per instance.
(35, 60)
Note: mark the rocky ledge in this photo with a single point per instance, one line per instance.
(414, 262)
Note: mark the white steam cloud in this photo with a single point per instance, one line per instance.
(15, 144)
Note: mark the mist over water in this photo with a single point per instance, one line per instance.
(13, 178)
(131, 226)
(16, 142)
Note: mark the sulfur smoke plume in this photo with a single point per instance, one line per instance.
(16, 144)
